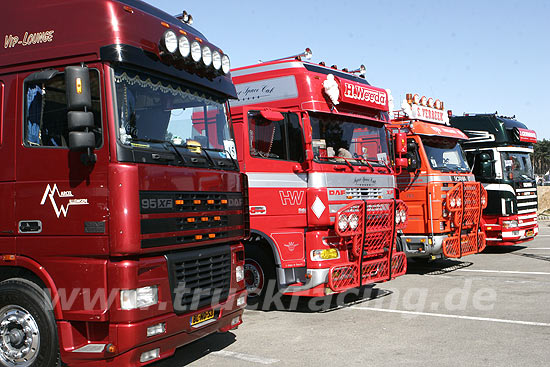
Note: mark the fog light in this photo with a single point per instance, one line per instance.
(327, 254)
(156, 329)
(235, 320)
(343, 223)
(131, 299)
(353, 221)
(150, 355)
(239, 273)
(241, 301)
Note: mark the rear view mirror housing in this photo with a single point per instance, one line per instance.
(80, 120)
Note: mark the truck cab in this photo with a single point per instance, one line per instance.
(121, 235)
(445, 203)
(499, 149)
(323, 209)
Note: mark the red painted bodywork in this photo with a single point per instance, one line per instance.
(66, 258)
(281, 211)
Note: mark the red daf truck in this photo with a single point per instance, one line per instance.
(445, 203)
(323, 208)
(120, 235)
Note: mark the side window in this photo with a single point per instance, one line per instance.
(45, 120)
(276, 139)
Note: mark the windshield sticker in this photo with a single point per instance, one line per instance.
(28, 39)
(434, 162)
(229, 146)
(50, 192)
(508, 163)
(382, 157)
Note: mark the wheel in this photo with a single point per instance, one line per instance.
(28, 332)
(259, 273)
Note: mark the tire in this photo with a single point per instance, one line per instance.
(25, 306)
(259, 273)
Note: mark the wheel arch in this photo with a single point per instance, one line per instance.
(32, 271)
(256, 235)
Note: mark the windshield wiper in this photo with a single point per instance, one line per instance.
(226, 153)
(160, 141)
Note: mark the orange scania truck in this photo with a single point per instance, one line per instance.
(445, 203)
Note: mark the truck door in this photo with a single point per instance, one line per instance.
(61, 200)
(277, 181)
(7, 173)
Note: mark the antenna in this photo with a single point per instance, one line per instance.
(306, 55)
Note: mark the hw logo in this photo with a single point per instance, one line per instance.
(291, 197)
(51, 191)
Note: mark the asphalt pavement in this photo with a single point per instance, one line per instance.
(490, 309)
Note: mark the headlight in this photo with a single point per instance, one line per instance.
(225, 64)
(458, 202)
(196, 51)
(206, 56)
(184, 46)
(483, 200)
(343, 223)
(403, 216)
(170, 41)
(452, 202)
(239, 273)
(327, 254)
(509, 223)
(216, 60)
(353, 221)
(130, 299)
(397, 218)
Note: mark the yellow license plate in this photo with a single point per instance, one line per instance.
(202, 317)
(529, 233)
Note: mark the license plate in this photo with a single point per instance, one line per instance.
(529, 233)
(202, 317)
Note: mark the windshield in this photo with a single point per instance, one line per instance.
(445, 155)
(517, 164)
(152, 111)
(335, 137)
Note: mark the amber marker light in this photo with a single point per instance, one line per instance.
(78, 85)
(197, 202)
(224, 201)
(165, 25)
(191, 220)
(217, 218)
(204, 219)
(210, 201)
(212, 235)
(198, 236)
(179, 202)
(128, 9)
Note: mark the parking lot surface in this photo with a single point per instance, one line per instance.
(490, 309)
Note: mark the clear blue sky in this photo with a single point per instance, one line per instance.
(476, 56)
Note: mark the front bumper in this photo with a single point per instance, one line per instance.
(131, 339)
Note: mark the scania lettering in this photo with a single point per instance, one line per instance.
(499, 150)
(445, 203)
(313, 144)
(122, 225)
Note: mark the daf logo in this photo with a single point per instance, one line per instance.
(337, 192)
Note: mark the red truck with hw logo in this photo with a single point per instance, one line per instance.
(122, 225)
(323, 212)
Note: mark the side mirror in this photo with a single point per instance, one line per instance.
(80, 120)
(77, 82)
(412, 162)
(486, 165)
(80, 136)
